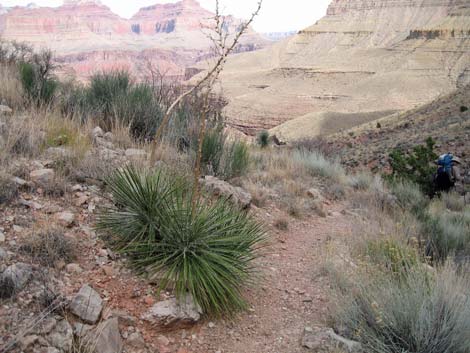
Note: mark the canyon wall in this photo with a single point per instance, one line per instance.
(87, 36)
(371, 57)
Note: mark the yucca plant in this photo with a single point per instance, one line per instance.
(206, 250)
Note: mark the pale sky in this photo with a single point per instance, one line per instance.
(276, 15)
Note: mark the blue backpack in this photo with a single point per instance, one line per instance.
(445, 164)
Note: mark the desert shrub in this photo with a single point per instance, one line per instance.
(8, 188)
(315, 144)
(50, 246)
(23, 135)
(36, 75)
(212, 150)
(419, 313)
(447, 233)
(416, 165)
(263, 139)
(113, 97)
(205, 249)
(11, 91)
(463, 109)
(282, 224)
(360, 181)
(391, 254)
(236, 160)
(453, 201)
(409, 196)
(318, 165)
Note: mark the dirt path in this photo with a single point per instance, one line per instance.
(293, 294)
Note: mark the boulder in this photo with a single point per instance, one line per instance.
(65, 219)
(97, 132)
(42, 177)
(315, 194)
(5, 110)
(134, 154)
(61, 336)
(14, 279)
(322, 339)
(135, 340)
(107, 338)
(87, 305)
(223, 189)
(174, 313)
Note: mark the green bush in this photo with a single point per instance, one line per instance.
(206, 250)
(420, 313)
(212, 150)
(392, 255)
(263, 139)
(114, 98)
(236, 160)
(36, 78)
(416, 166)
(409, 196)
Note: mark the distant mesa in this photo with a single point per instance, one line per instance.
(87, 36)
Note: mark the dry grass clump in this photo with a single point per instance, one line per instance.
(285, 176)
(49, 246)
(11, 92)
(281, 224)
(420, 311)
(8, 188)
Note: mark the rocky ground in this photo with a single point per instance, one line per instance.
(63, 288)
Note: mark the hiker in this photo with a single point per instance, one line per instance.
(448, 173)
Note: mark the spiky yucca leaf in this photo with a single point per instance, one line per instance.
(207, 250)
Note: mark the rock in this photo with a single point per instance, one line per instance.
(135, 340)
(5, 110)
(65, 219)
(315, 194)
(52, 350)
(108, 136)
(108, 270)
(30, 204)
(223, 189)
(62, 336)
(73, 269)
(97, 132)
(2, 237)
(28, 341)
(19, 181)
(46, 326)
(87, 305)
(3, 254)
(321, 339)
(107, 337)
(124, 318)
(14, 279)
(81, 200)
(81, 330)
(133, 154)
(42, 177)
(58, 152)
(173, 313)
